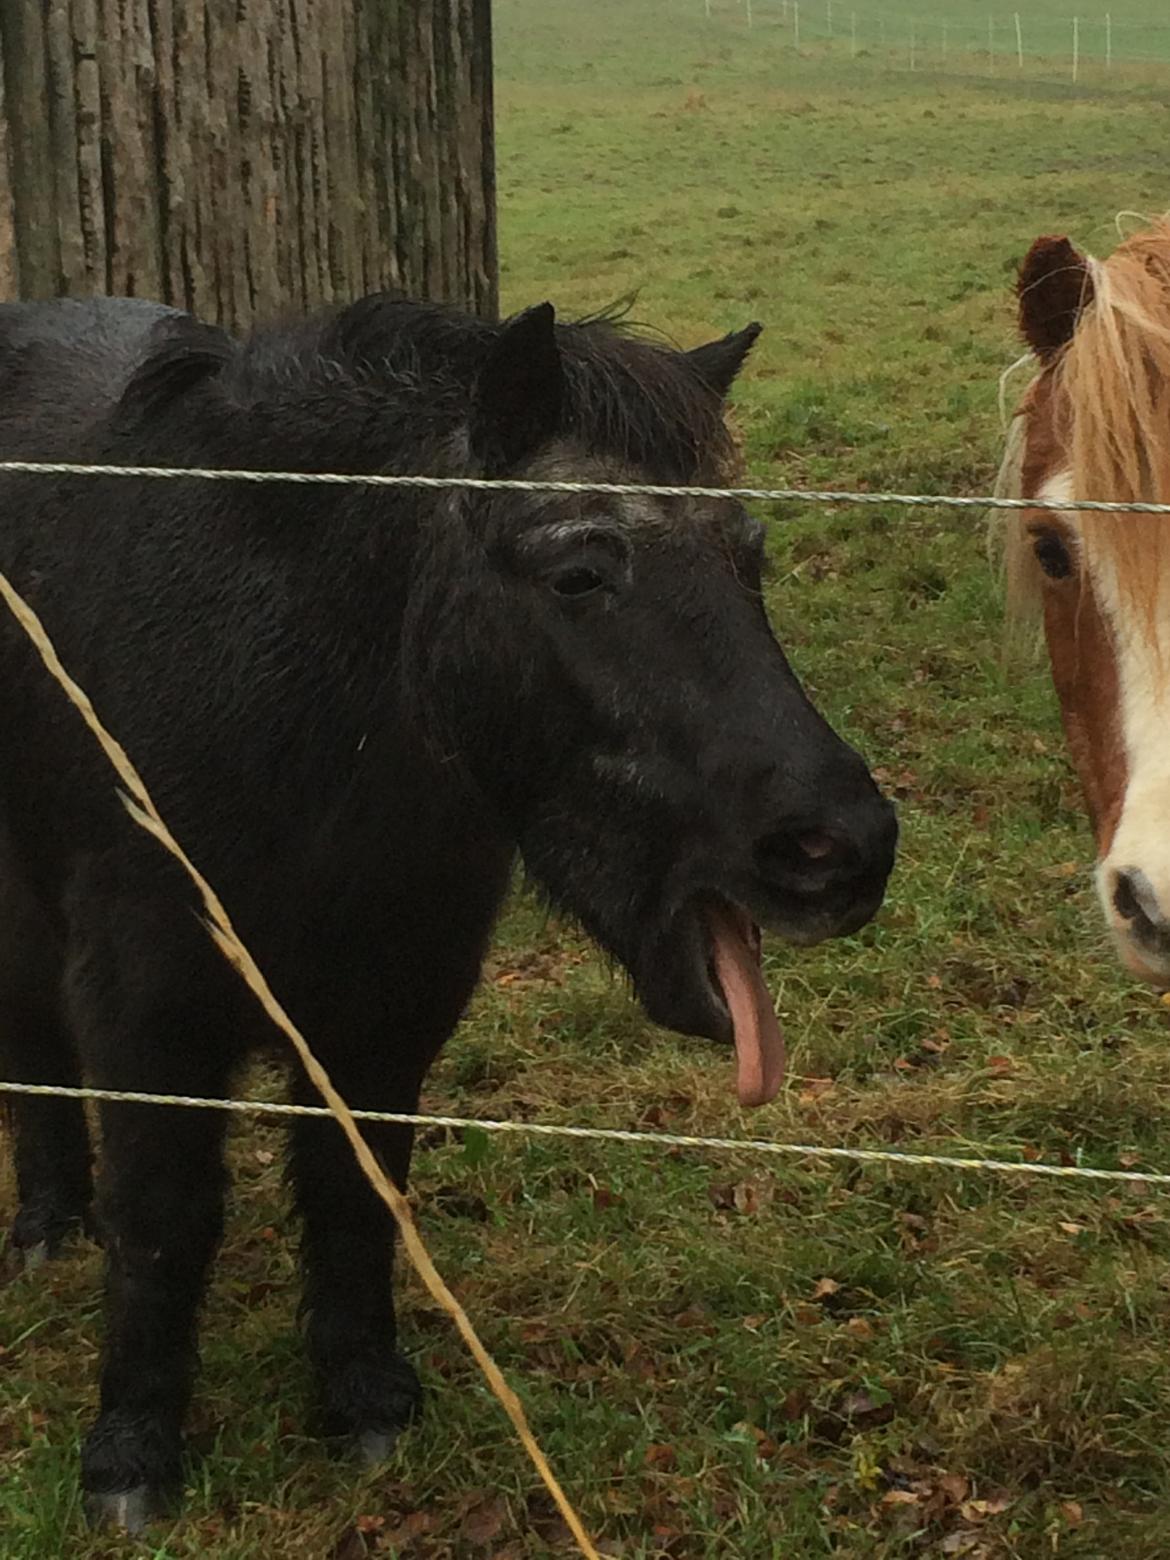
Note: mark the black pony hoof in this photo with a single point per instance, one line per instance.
(375, 1446)
(131, 1470)
(40, 1230)
(125, 1511)
(367, 1403)
(34, 1257)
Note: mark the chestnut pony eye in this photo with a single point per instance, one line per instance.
(1053, 555)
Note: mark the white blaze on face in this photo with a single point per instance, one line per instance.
(1133, 871)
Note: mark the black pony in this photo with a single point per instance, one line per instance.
(353, 705)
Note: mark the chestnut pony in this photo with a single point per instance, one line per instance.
(1094, 424)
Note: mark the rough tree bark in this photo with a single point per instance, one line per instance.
(242, 158)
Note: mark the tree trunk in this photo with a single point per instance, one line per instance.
(245, 158)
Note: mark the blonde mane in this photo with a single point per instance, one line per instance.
(1105, 408)
(1007, 534)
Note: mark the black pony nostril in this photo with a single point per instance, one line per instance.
(803, 857)
(817, 845)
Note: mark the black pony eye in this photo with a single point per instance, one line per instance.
(577, 582)
(1053, 556)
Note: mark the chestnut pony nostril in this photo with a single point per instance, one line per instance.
(1137, 904)
(1125, 900)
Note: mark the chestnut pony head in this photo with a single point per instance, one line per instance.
(1094, 423)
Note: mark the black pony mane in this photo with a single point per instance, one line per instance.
(628, 398)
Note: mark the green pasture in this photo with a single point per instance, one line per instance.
(726, 1356)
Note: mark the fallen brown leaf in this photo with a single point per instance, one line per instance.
(748, 1197)
(696, 1316)
(980, 1510)
(765, 1445)
(795, 1404)
(415, 1524)
(955, 1487)
(485, 1522)
(860, 1405)
(816, 1086)
(962, 1544)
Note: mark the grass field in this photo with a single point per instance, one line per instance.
(725, 1356)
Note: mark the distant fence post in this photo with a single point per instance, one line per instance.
(1076, 21)
(796, 24)
(1019, 43)
(944, 43)
(853, 34)
(912, 43)
(829, 16)
(991, 44)
(1108, 41)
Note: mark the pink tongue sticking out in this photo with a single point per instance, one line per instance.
(759, 1045)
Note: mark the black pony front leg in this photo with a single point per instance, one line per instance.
(160, 1207)
(154, 1008)
(366, 1390)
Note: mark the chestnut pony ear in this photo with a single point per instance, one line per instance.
(1054, 285)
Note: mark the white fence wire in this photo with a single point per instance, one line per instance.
(640, 1139)
(831, 496)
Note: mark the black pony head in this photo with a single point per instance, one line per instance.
(608, 674)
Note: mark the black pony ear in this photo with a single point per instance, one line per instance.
(1054, 285)
(518, 396)
(720, 361)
